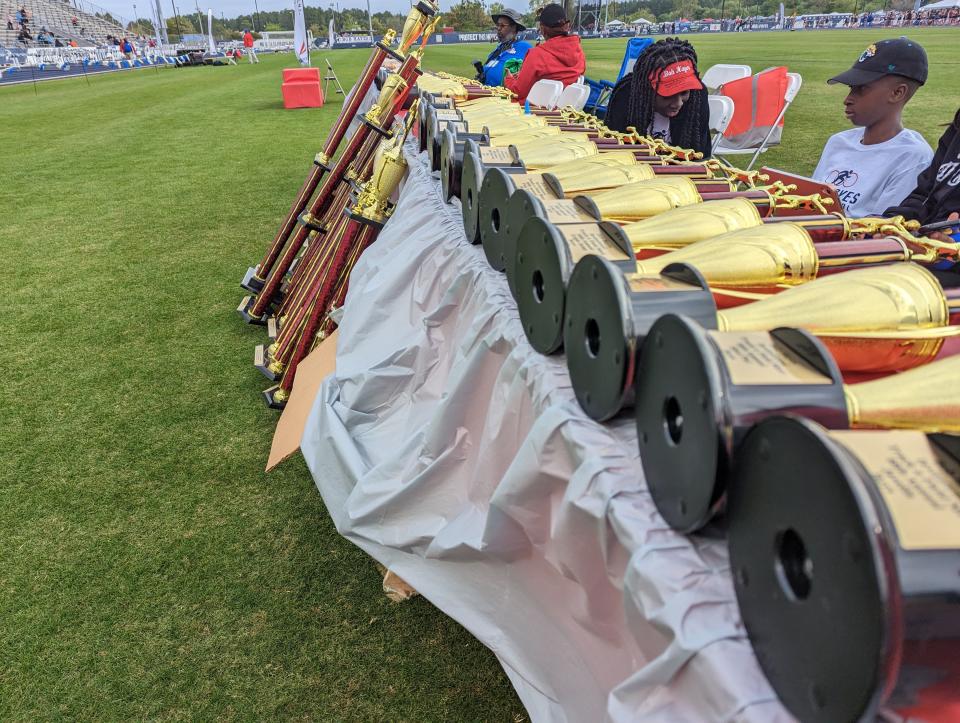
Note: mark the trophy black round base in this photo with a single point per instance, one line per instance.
(608, 318)
(543, 265)
(522, 206)
(679, 424)
(809, 571)
(422, 122)
(251, 282)
(695, 400)
(495, 193)
(453, 146)
(471, 179)
(449, 166)
(426, 8)
(598, 337)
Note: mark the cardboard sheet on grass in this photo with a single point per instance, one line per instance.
(311, 372)
(455, 455)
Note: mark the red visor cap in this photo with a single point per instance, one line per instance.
(676, 78)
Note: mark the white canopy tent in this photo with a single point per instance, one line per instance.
(615, 24)
(942, 5)
(641, 21)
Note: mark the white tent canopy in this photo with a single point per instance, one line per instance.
(615, 24)
(942, 5)
(641, 21)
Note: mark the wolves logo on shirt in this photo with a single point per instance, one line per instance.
(843, 178)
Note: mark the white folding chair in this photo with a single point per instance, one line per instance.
(574, 96)
(721, 113)
(794, 82)
(721, 73)
(545, 93)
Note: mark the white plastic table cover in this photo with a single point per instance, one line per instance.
(453, 453)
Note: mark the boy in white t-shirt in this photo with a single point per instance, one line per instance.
(875, 165)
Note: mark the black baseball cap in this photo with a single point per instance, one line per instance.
(552, 16)
(897, 56)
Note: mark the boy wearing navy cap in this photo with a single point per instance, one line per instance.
(875, 164)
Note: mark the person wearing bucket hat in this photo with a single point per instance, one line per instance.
(663, 97)
(559, 57)
(509, 53)
(875, 165)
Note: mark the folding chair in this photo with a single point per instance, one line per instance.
(721, 113)
(721, 73)
(574, 96)
(545, 93)
(725, 148)
(600, 90)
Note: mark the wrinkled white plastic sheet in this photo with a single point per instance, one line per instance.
(454, 454)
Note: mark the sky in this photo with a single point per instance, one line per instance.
(232, 8)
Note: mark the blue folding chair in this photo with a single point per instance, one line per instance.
(600, 90)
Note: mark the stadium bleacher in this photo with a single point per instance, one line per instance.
(56, 16)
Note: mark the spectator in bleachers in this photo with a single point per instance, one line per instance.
(663, 97)
(10, 22)
(57, 43)
(74, 21)
(875, 164)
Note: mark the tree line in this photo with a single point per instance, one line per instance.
(471, 16)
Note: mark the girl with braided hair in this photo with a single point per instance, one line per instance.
(663, 97)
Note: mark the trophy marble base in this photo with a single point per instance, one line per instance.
(262, 361)
(245, 311)
(251, 282)
(275, 397)
(273, 328)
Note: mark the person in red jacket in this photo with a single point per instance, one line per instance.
(559, 57)
(248, 47)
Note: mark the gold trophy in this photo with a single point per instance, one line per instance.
(418, 20)
(372, 205)
(379, 116)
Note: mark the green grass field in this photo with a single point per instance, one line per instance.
(148, 567)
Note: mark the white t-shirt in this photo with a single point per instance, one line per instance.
(870, 179)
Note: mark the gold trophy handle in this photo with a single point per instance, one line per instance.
(924, 248)
(813, 202)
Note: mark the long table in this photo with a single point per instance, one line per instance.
(455, 455)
